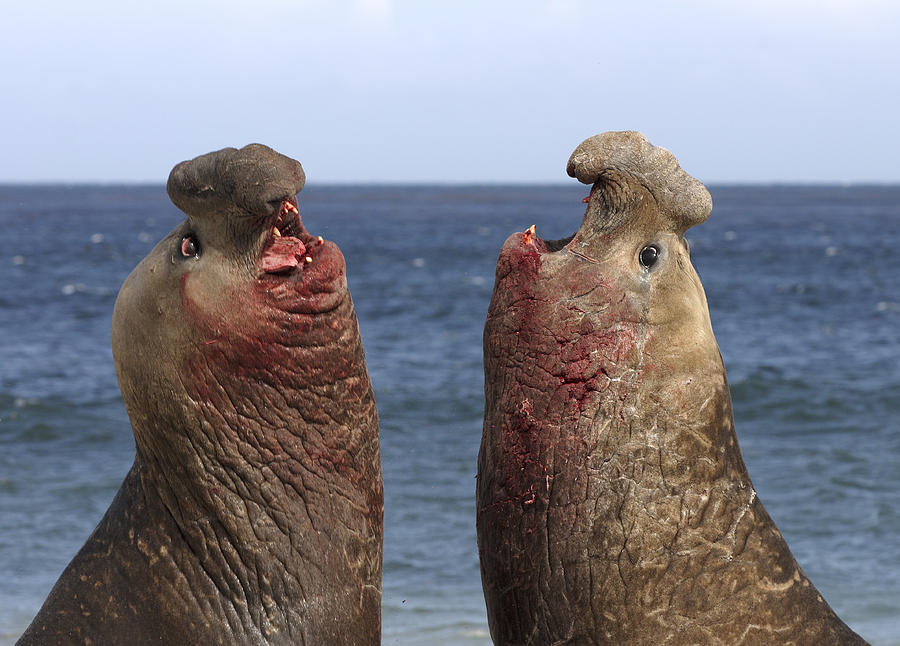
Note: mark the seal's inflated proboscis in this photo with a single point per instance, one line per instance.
(253, 512)
(613, 503)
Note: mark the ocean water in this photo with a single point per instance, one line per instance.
(804, 291)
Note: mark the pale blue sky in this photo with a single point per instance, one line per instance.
(460, 91)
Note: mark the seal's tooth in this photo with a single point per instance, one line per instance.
(320, 240)
(307, 259)
(287, 207)
(529, 234)
(276, 231)
(587, 199)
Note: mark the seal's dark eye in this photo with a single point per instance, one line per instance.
(190, 248)
(649, 255)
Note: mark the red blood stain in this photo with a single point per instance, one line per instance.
(278, 372)
(558, 350)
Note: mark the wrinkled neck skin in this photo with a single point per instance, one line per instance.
(606, 348)
(613, 503)
(257, 431)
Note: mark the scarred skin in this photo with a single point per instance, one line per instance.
(253, 513)
(613, 504)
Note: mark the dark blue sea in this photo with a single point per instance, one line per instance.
(804, 290)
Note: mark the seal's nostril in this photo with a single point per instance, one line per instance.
(613, 161)
(253, 180)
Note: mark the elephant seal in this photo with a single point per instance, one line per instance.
(613, 503)
(253, 513)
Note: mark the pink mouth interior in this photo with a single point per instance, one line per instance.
(282, 255)
(288, 245)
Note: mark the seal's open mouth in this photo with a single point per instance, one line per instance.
(288, 245)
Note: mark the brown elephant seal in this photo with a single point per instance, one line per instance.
(253, 513)
(613, 503)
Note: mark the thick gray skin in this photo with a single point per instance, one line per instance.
(253, 512)
(613, 503)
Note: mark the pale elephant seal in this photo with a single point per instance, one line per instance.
(613, 503)
(253, 512)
